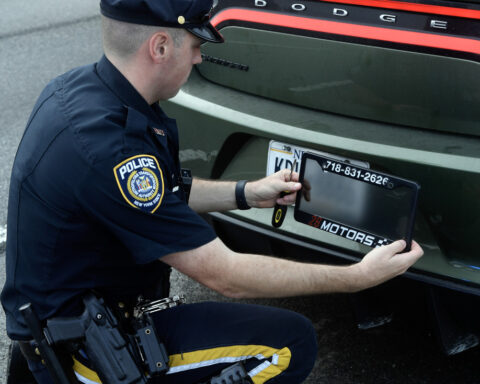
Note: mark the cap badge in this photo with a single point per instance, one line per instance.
(181, 20)
(140, 181)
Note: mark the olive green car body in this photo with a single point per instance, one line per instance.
(409, 113)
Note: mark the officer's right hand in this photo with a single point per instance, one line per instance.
(383, 263)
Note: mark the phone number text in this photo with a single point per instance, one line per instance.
(355, 173)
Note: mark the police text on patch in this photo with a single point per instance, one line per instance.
(136, 164)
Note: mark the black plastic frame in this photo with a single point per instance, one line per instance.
(390, 182)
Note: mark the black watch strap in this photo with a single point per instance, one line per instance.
(240, 195)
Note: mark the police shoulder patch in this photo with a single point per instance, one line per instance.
(140, 180)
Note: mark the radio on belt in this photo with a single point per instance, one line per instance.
(186, 182)
(369, 207)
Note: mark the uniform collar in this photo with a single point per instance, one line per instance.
(122, 88)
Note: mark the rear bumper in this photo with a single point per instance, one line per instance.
(245, 236)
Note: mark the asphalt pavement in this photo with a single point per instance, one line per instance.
(38, 40)
(43, 38)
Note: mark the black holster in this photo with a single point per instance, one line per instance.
(118, 358)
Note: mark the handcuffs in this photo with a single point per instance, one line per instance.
(147, 307)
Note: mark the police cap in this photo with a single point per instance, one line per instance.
(193, 15)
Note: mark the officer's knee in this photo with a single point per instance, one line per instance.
(304, 348)
(303, 328)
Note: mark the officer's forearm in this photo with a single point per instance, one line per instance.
(209, 196)
(253, 276)
(245, 275)
(260, 275)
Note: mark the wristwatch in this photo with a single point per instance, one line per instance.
(240, 195)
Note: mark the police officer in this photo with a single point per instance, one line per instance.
(96, 202)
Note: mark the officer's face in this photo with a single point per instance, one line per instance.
(183, 59)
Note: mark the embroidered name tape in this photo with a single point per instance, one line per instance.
(140, 180)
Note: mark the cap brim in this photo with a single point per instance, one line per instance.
(206, 32)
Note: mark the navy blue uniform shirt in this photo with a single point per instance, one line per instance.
(94, 197)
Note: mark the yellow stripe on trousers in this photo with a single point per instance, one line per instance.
(266, 370)
(207, 357)
(85, 374)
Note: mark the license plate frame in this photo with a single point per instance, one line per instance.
(328, 182)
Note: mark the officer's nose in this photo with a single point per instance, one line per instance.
(198, 58)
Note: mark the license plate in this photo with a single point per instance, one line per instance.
(283, 155)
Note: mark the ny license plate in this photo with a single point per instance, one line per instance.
(283, 155)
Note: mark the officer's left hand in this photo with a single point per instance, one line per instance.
(265, 193)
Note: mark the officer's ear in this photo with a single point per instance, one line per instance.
(160, 46)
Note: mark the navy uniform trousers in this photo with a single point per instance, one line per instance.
(276, 346)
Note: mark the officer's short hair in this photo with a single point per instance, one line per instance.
(124, 39)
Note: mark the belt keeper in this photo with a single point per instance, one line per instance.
(240, 195)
